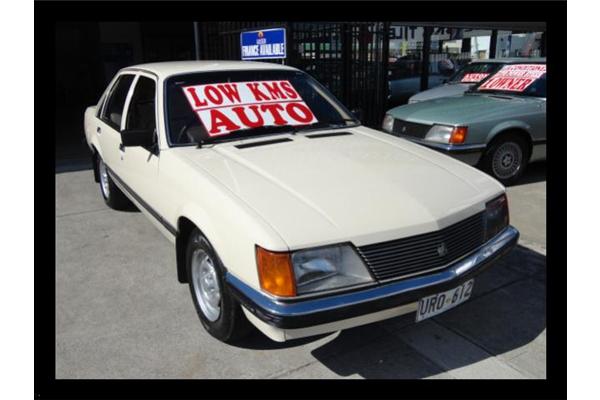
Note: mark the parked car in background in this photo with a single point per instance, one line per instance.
(282, 209)
(404, 79)
(467, 77)
(498, 125)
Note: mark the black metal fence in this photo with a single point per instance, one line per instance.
(349, 58)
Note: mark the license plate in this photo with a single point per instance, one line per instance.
(438, 303)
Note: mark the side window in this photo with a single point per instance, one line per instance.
(113, 111)
(141, 114)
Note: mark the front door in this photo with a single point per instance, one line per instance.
(139, 165)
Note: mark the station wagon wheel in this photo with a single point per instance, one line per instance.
(506, 158)
(112, 195)
(220, 314)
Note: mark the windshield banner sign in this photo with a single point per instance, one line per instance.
(264, 44)
(514, 78)
(227, 107)
(473, 77)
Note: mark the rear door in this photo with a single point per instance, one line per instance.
(108, 123)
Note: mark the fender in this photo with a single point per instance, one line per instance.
(508, 125)
(234, 242)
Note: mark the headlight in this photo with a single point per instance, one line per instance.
(447, 134)
(328, 268)
(313, 270)
(496, 216)
(388, 123)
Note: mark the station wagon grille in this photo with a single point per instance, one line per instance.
(410, 128)
(418, 254)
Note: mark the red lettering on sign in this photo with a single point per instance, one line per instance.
(213, 95)
(230, 91)
(197, 102)
(258, 95)
(289, 90)
(274, 109)
(218, 120)
(241, 114)
(274, 90)
(306, 115)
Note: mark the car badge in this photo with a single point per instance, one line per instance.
(404, 129)
(442, 250)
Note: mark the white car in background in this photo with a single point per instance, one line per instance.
(283, 210)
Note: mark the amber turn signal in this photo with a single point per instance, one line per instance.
(459, 135)
(275, 272)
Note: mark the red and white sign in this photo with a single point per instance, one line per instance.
(514, 78)
(473, 77)
(227, 107)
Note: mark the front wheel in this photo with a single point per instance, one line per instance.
(506, 159)
(220, 314)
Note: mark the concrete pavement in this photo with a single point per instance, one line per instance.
(120, 312)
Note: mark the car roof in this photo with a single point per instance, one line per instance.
(165, 69)
(513, 60)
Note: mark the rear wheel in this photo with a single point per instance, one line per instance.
(506, 158)
(220, 314)
(112, 195)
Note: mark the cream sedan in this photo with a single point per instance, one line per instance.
(283, 210)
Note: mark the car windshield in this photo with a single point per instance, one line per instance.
(211, 107)
(474, 72)
(515, 80)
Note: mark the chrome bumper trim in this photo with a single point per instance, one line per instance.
(290, 308)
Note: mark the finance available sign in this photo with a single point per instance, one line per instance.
(514, 78)
(224, 108)
(263, 44)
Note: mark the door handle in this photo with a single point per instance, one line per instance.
(121, 147)
(98, 130)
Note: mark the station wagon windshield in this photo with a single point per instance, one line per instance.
(211, 107)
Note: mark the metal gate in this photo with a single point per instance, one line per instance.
(349, 58)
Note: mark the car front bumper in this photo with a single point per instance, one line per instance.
(467, 153)
(306, 317)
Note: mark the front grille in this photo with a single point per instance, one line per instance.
(417, 254)
(413, 129)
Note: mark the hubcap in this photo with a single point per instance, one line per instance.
(206, 285)
(507, 160)
(104, 179)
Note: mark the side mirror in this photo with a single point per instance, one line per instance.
(357, 112)
(137, 137)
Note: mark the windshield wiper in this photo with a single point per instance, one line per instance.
(256, 132)
(242, 134)
(341, 123)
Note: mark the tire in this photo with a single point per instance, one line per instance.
(506, 158)
(112, 195)
(221, 315)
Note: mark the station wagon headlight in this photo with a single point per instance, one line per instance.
(447, 134)
(327, 268)
(496, 216)
(388, 123)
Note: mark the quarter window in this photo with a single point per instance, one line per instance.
(113, 111)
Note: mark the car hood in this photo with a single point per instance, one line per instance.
(363, 187)
(462, 109)
(448, 89)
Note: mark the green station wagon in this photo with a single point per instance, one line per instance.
(498, 125)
